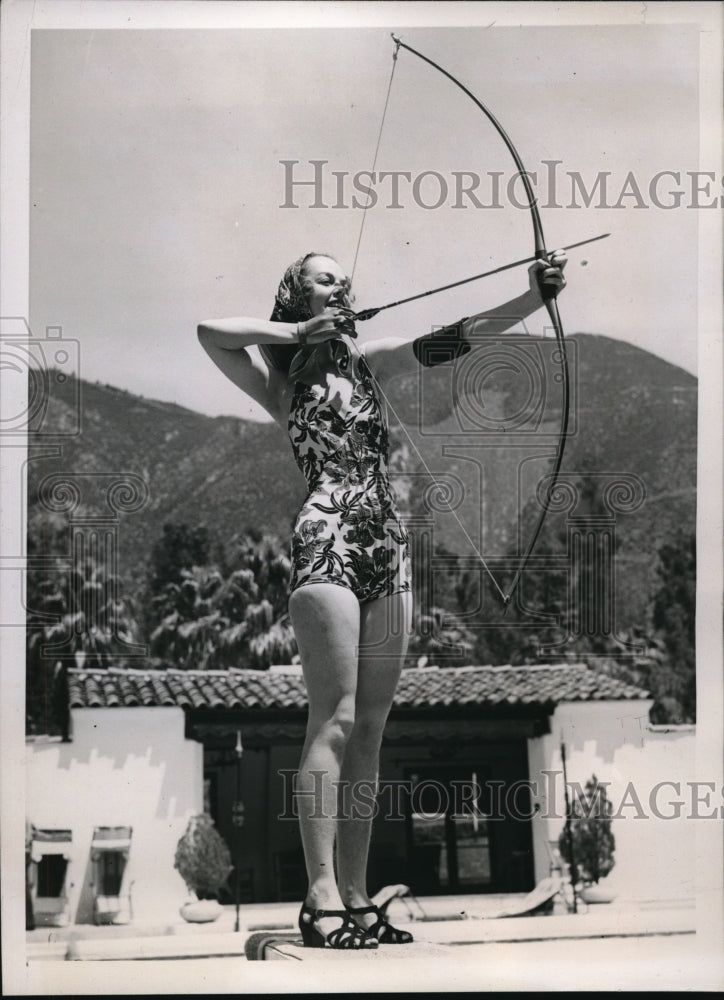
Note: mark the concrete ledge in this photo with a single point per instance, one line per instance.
(293, 951)
(46, 950)
(430, 935)
(594, 924)
(167, 946)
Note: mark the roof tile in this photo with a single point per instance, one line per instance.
(429, 687)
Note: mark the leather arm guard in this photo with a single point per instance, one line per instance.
(441, 346)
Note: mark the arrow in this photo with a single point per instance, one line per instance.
(369, 313)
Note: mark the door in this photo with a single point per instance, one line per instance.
(449, 842)
(461, 837)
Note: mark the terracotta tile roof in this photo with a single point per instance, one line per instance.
(280, 688)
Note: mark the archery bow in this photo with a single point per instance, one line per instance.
(549, 298)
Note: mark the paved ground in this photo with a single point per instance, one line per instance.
(460, 945)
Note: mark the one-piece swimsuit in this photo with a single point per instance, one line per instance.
(349, 531)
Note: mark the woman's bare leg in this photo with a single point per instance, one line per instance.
(326, 622)
(384, 636)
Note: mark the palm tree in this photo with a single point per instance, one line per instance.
(75, 615)
(209, 621)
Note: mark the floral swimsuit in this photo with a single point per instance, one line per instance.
(348, 531)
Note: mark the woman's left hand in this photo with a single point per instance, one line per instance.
(548, 274)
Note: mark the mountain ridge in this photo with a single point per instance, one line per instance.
(633, 415)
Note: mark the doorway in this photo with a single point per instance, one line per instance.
(461, 835)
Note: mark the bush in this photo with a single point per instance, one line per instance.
(202, 857)
(593, 841)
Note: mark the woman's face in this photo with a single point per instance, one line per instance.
(326, 285)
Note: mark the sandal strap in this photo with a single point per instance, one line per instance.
(379, 924)
(348, 935)
(382, 929)
(327, 913)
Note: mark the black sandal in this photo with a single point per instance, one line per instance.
(382, 929)
(349, 935)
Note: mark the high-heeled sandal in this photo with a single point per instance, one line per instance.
(382, 929)
(348, 935)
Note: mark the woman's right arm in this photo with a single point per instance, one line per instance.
(236, 334)
(226, 341)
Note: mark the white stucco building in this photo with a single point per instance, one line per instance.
(471, 796)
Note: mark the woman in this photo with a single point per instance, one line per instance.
(350, 593)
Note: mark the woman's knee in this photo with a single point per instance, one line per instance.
(368, 730)
(335, 726)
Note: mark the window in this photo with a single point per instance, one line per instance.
(50, 850)
(51, 875)
(449, 846)
(110, 873)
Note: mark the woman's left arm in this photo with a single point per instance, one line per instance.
(394, 356)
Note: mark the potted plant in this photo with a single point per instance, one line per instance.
(592, 841)
(203, 862)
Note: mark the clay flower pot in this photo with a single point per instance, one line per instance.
(596, 893)
(201, 911)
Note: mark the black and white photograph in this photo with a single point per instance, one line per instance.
(361, 557)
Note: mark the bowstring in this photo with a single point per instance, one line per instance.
(429, 472)
(381, 391)
(374, 158)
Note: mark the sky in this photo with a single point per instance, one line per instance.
(159, 195)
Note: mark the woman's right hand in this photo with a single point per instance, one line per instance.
(327, 325)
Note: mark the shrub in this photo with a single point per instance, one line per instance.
(593, 841)
(202, 857)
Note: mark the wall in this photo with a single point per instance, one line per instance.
(148, 776)
(655, 848)
(124, 766)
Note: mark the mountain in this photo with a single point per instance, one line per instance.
(222, 472)
(631, 431)
(633, 418)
